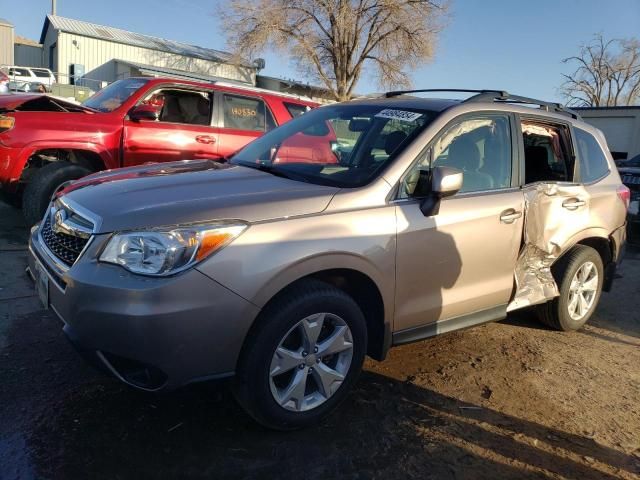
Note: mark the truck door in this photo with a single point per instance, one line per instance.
(183, 129)
(243, 118)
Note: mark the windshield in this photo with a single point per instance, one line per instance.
(114, 95)
(342, 145)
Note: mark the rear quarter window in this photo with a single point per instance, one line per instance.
(296, 109)
(593, 161)
(41, 73)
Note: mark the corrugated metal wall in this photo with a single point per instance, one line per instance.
(50, 51)
(93, 53)
(28, 55)
(6, 44)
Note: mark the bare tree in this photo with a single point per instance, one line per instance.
(335, 41)
(607, 74)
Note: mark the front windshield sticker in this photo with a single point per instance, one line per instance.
(401, 115)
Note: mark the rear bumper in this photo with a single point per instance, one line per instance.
(151, 333)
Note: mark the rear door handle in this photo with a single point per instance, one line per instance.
(510, 215)
(206, 139)
(573, 203)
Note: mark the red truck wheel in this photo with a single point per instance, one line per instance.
(44, 183)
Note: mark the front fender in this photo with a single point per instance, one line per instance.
(323, 262)
(23, 155)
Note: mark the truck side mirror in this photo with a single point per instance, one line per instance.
(149, 113)
(445, 182)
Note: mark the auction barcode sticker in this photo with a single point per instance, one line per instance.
(402, 115)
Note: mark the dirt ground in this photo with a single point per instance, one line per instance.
(504, 400)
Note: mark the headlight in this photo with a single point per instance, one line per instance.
(168, 251)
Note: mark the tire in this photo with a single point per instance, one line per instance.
(14, 199)
(38, 192)
(256, 387)
(558, 312)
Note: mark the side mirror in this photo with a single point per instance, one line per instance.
(445, 182)
(144, 112)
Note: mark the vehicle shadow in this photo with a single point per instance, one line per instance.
(386, 428)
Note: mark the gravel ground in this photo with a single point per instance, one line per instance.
(504, 400)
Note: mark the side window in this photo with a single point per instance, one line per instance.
(19, 72)
(546, 153)
(295, 109)
(479, 146)
(245, 113)
(181, 106)
(41, 73)
(593, 162)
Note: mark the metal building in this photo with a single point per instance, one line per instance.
(27, 53)
(96, 53)
(6, 42)
(620, 125)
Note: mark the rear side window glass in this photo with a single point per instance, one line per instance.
(244, 113)
(593, 162)
(546, 157)
(295, 109)
(41, 73)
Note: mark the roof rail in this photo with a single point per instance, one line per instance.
(495, 96)
(223, 83)
(395, 93)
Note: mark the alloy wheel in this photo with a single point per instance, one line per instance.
(583, 291)
(311, 362)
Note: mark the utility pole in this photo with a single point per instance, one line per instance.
(53, 7)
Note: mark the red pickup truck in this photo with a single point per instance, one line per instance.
(46, 142)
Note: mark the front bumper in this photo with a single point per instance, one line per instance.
(11, 163)
(152, 333)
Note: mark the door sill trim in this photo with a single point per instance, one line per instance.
(421, 332)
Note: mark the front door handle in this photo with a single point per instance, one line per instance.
(573, 203)
(510, 215)
(206, 139)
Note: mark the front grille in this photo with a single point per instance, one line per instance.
(66, 248)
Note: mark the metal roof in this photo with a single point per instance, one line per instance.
(118, 35)
(173, 73)
(26, 41)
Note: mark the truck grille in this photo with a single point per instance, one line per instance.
(66, 248)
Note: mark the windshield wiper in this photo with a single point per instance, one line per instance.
(278, 172)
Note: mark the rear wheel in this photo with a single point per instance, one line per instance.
(44, 183)
(302, 358)
(579, 275)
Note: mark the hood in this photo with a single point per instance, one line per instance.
(38, 102)
(192, 191)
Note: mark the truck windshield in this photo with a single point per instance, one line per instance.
(114, 95)
(342, 145)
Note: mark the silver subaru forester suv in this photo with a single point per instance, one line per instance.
(351, 229)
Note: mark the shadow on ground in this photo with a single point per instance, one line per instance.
(387, 428)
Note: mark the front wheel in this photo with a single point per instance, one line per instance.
(45, 182)
(579, 275)
(302, 358)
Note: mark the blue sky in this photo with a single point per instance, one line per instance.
(515, 45)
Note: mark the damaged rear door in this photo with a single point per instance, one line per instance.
(555, 209)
